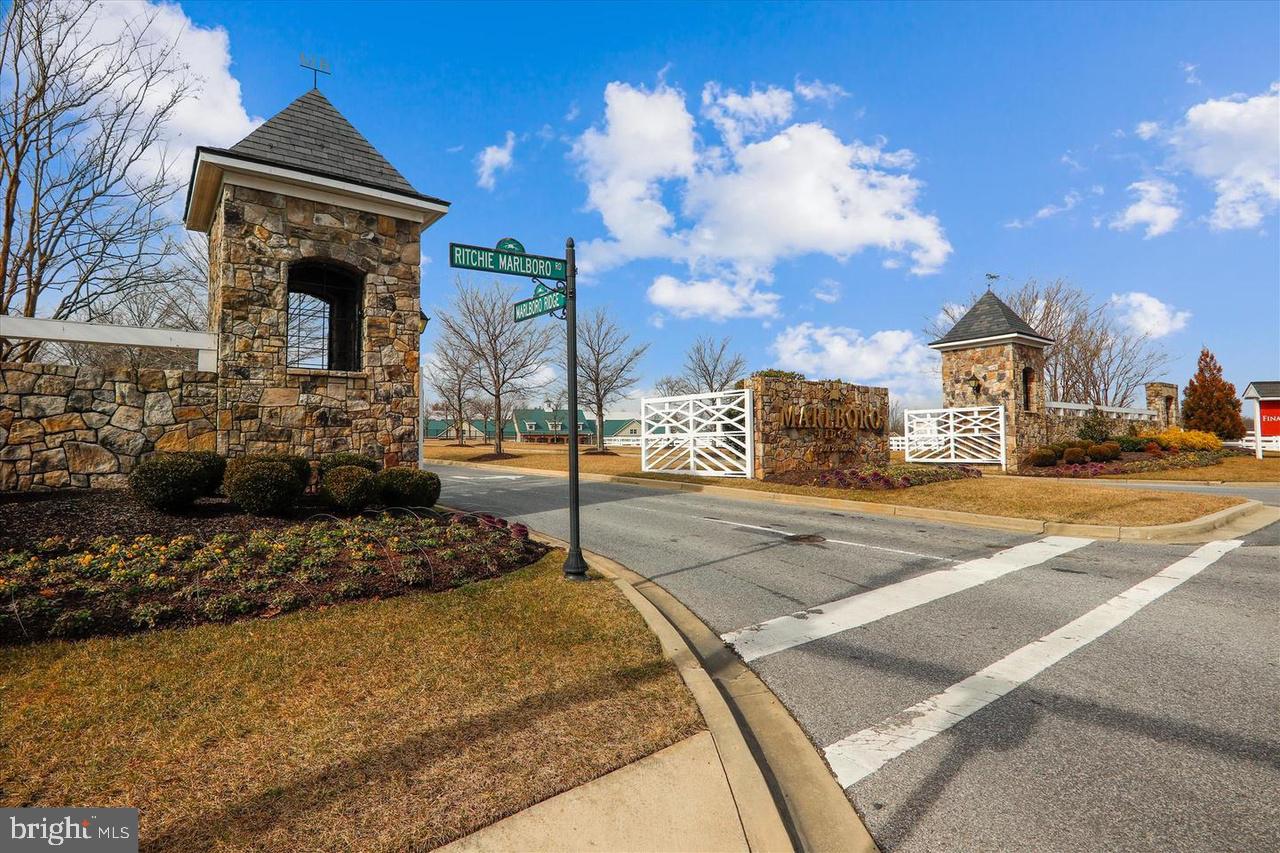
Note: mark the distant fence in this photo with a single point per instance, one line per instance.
(897, 442)
(623, 441)
(1250, 442)
(1080, 410)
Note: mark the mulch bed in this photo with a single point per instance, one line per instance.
(27, 519)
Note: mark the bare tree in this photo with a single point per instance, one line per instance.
(84, 179)
(606, 365)
(897, 418)
(452, 376)
(671, 386)
(1093, 358)
(175, 299)
(506, 355)
(710, 366)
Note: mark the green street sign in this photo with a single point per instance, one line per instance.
(539, 305)
(511, 244)
(541, 289)
(508, 263)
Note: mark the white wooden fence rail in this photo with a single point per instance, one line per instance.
(38, 329)
(623, 441)
(973, 436)
(709, 435)
(1079, 410)
(1250, 442)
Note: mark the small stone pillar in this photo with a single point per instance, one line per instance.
(1162, 398)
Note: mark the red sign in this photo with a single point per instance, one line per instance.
(1270, 412)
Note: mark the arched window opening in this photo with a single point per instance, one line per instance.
(324, 317)
(1028, 386)
(1168, 409)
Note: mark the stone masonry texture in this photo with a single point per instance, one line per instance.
(265, 406)
(780, 449)
(76, 426)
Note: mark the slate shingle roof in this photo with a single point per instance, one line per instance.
(1266, 390)
(310, 135)
(988, 318)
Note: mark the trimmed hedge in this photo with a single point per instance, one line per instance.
(214, 467)
(169, 481)
(350, 488)
(262, 486)
(300, 467)
(339, 460)
(1042, 457)
(1074, 456)
(404, 486)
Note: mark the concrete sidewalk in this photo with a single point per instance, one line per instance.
(677, 799)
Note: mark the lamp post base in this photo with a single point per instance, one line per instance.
(575, 567)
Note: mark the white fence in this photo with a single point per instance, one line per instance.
(1079, 410)
(974, 436)
(897, 442)
(40, 329)
(1251, 442)
(709, 435)
(622, 441)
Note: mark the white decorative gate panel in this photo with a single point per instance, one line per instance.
(974, 436)
(709, 435)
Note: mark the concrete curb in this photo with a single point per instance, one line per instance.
(769, 758)
(786, 795)
(1179, 531)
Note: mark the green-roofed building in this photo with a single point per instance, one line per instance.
(544, 427)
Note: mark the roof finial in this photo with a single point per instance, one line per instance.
(992, 278)
(317, 66)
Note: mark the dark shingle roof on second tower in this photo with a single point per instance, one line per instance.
(989, 318)
(310, 135)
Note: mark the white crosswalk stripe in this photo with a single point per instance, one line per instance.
(859, 755)
(805, 626)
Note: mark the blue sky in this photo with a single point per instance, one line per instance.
(817, 180)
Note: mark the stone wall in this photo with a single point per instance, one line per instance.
(833, 425)
(64, 426)
(1162, 398)
(1064, 427)
(264, 406)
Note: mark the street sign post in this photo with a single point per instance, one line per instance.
(543, 303)
(509, 258)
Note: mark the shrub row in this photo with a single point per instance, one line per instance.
(1074, 453)
(899, 476)
(271, 484)
(1153, 462)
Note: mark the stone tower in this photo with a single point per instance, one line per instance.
(313, 287)
(992, 357)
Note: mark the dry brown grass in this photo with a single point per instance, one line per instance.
(1017, 497)
(396, 724)
(1235, 469)
(543, 460)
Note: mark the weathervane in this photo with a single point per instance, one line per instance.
(316, 66)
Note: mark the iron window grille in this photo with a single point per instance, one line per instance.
(325, 317)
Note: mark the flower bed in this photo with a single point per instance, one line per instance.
(877, 477)
(1137, 463)
(62, 587)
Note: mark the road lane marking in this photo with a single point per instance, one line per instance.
(836, 541)
(805, 626)
(490, 477)
(863, 753)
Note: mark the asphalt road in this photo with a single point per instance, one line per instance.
(975, 689)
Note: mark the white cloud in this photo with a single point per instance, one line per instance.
(741, 116)
(828, 290)
(1189, 70)
(1069, 201)
(1147, 315)
(816, 90)
(730, 212)
(712, 298)
(1147, 129)
(494, 159)
(573, 112)
(454, 149)
(894, 358)
(1232, 142)
(215, 115)
(1071, 162)
(1156, 208)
